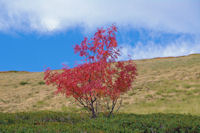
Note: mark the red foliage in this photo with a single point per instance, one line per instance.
(100, 77)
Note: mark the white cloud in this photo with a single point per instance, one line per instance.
(150, 49)
(176, 16)
(159, 16)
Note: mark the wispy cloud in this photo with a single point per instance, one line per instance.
(56, 15)
(151, 49)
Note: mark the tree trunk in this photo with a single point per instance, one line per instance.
(93, 113)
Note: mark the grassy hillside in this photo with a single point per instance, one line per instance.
(167, 85)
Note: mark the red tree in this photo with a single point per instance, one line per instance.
(97, 83)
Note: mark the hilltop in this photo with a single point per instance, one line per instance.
(167, 85)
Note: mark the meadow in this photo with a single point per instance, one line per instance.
(165, 89)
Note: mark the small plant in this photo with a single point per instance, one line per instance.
(187, 86)
(41, 83)
(23, 83)
(98, 83)
(149, 96)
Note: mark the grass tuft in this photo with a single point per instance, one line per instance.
(23, 83)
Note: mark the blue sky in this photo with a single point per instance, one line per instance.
(41, 33)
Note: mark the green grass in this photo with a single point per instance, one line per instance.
(59, 122)
(41, 83)
(23, 83)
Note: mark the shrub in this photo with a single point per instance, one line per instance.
(50, 122)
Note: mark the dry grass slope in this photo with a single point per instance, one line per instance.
(168, 85)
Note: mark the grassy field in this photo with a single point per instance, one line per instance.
(166, 85)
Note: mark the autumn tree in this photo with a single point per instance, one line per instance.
(98, 83)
